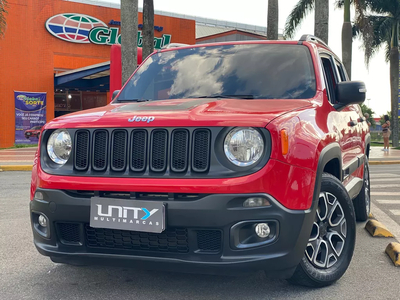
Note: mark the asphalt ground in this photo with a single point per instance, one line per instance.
(25, 274)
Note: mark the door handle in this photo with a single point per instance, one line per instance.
(352, 123)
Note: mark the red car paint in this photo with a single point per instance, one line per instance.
(312, 124)
(33, 132)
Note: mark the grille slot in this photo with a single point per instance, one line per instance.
(209, 240)
(118, 154)
(69, 233)
(159, 150)
(100, 143)
(201, 150)
(179, 153)
(81, 161)
(173, 240)
(138, 150)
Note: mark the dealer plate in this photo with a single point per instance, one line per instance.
(133, 215)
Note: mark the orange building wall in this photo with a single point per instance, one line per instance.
(29, 54)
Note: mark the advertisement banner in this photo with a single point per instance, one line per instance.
(30, 116)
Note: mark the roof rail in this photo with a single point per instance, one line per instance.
(312, 38)
(174, 45)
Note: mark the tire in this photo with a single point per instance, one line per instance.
(362, 203)
(332, 239)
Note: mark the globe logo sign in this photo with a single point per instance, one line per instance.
(72, 27)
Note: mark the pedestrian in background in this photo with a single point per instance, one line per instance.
(386, 133)
(366, 115)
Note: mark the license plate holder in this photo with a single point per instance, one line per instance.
(123, 214)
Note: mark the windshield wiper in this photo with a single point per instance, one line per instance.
(224, 96)
(133, 100)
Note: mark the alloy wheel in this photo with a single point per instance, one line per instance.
(328, 235)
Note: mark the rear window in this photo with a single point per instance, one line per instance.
(259, 71)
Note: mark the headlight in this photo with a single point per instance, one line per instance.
(59, 146)
(244, 146)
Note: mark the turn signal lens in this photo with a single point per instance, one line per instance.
(256, 202)
(39, 196)
(284, 141)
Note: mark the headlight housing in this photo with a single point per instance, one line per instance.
(244, 146)
(59, 146)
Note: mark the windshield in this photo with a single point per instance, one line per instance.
(247, 71)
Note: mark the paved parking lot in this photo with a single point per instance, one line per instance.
(25, 274)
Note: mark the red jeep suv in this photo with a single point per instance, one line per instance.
(33, 132)
(224, 157)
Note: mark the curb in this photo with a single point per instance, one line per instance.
(384, 162)
(16, 168)
(376, 228)
(393, 250)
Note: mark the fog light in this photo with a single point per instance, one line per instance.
(256, 202)
(262, 230)
(39, 196)
(42, 221)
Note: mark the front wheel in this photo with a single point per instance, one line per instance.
(362, 203)
(332, 239)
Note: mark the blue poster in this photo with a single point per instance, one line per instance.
(30, 116)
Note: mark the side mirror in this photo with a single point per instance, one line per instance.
(115, 93)
(350, 92)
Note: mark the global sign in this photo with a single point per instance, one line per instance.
(83, 29)
(72, 27)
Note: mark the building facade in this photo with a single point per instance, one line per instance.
(44, 38)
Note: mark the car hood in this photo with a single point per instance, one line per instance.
(181, 113)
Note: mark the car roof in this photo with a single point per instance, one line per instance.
(307, 38)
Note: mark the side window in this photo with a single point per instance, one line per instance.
(340, 68)
(330, 78)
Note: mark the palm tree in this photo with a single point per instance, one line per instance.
(273, 18)
(129, 27)
(347, 38)
(347, 32)
(321, 18)
(3, 12)
(148, 28)
(379, 26)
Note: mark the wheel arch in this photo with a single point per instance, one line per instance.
(330, 161)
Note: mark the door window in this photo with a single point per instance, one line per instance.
(340, 68)
(330, 78)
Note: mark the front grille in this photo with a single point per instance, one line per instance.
(82, 150)
(172, 240)
(69, 233)
(209, 240)
(118, 152)
(158, 150)
(142, 151)
(201, 153)
(138, 150)
(100, 144)
(179, 158)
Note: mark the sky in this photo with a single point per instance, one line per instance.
(254, 12)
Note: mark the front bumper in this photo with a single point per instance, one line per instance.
(217, 228)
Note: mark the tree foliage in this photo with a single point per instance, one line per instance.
(378, 25)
